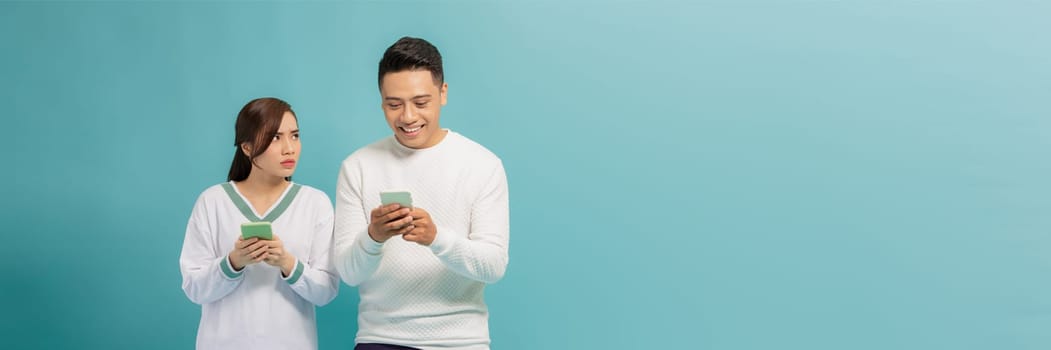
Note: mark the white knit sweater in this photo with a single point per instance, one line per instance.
(414, 295)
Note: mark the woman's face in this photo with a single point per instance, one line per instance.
(279, 160)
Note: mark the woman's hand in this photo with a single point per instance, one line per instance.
(247, 252)
(279, 257)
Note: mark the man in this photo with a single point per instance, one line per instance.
(421, 270)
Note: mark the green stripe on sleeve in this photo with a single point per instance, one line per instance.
(228, 270)
(296, 273)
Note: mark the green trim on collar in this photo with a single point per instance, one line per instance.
(284, 204)
(247, 210)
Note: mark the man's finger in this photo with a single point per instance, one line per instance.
(406, 229)
(395, 215)
(385, 210)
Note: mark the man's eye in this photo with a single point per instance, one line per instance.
(394, 105)
(421, 105)
(295, 136)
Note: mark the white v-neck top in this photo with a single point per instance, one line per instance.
(257, 308)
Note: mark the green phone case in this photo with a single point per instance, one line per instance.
(256, 229)
(401, 197)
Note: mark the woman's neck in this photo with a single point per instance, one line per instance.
(258, 184)
(262, 191)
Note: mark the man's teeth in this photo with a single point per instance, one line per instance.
(411, 130)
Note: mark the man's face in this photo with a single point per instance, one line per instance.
(412, 103)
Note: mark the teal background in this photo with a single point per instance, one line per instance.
(701, 175)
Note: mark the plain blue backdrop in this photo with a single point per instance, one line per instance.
(697, 175)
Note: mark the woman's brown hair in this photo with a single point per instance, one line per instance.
(257, 123)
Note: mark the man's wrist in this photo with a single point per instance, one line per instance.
(373, 238)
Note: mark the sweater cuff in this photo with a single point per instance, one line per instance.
(371, 246)
(296, 273)
(443, 242)
(228, 270)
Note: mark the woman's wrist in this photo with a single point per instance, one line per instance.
(287, 266)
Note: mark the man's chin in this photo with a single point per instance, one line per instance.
(415, 142)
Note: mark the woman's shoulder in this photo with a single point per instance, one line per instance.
(312, 194)
(213, 192)
(210, 198)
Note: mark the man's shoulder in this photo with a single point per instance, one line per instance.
(373, 150)
(476, 151)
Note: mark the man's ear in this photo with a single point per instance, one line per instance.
(444, 91)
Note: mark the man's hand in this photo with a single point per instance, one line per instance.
(389, 221)
(424, 230)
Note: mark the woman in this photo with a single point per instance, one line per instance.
(255, 293)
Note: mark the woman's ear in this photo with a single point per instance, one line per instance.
(246, 149)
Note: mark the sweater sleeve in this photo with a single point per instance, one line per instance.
(206, 273)
(481, 254)
(315, 278)
(357, 255)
